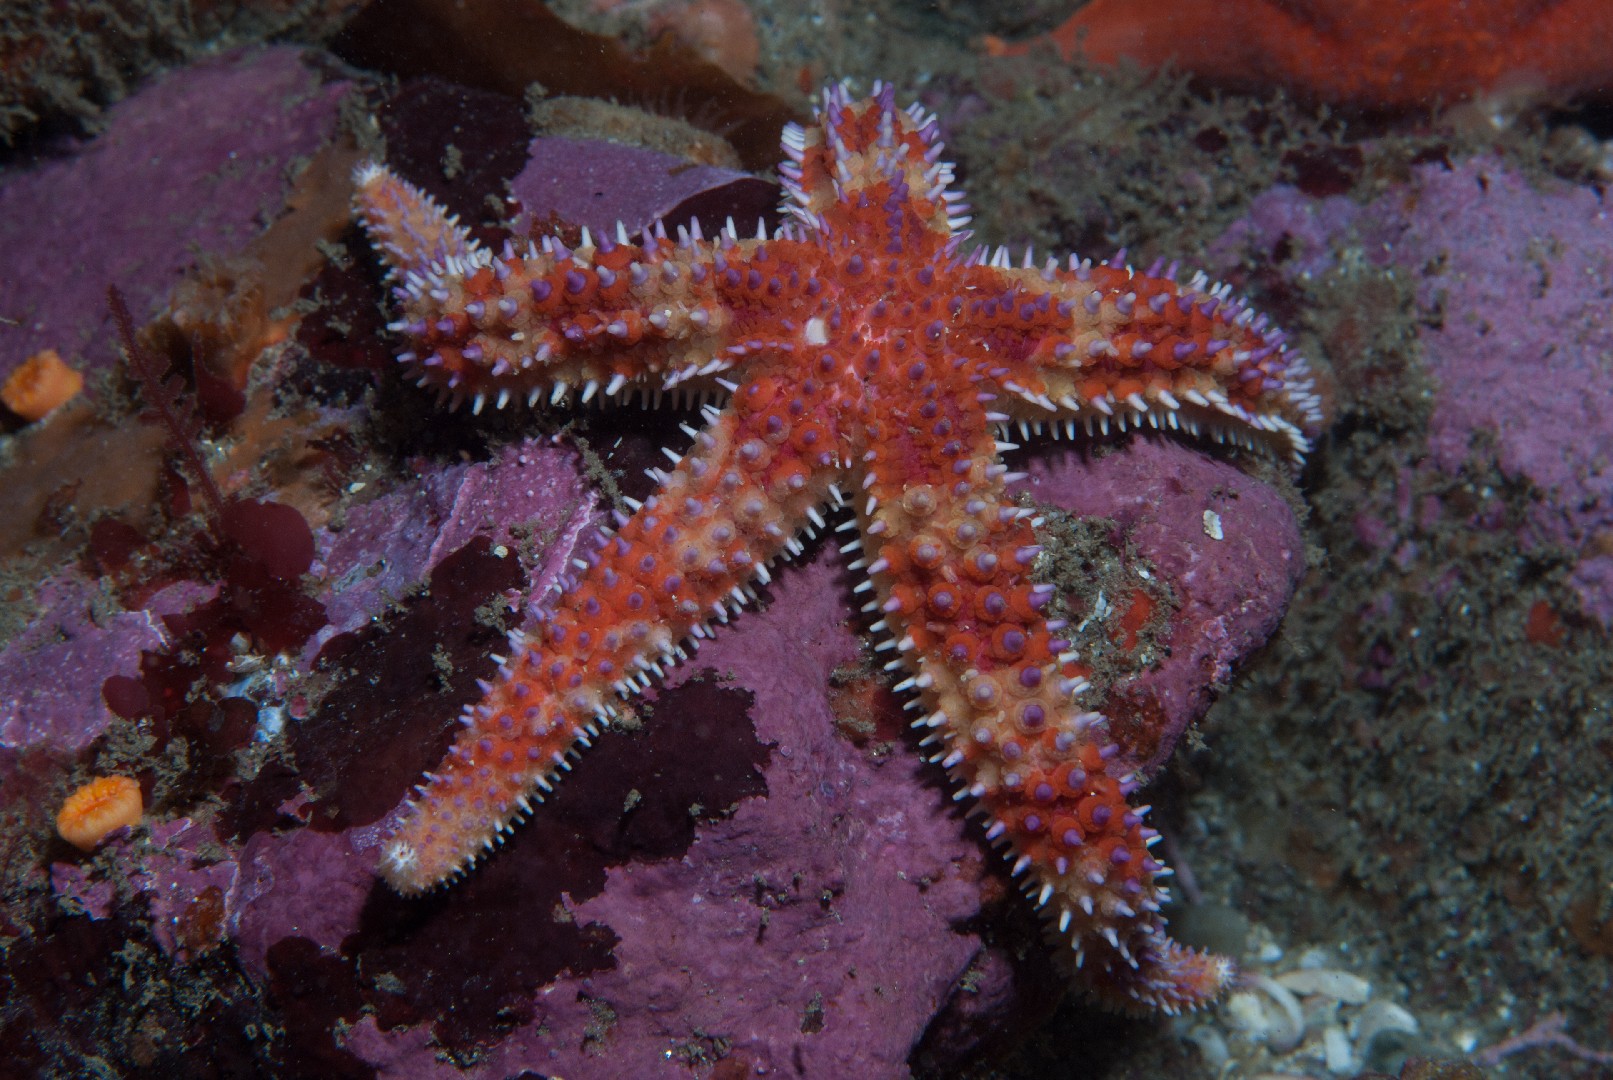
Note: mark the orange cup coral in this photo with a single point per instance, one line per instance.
(96, 809)
(43, 382)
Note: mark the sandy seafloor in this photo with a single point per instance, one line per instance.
(1401, 804)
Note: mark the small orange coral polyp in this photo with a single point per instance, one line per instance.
(43, 382)
(96, 809)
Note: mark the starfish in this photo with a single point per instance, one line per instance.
(865, 363)
(1398, 56)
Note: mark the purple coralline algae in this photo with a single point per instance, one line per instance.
(1513, 284)
(1227, 546)
(581, 181)
(197, 161)
(51, 673)
(392, 543)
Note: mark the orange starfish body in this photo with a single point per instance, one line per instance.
(1412, 54)
(864, 364)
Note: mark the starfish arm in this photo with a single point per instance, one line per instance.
(1101, 345)
(409, 227)
(609, 318)
(953, 568)
(869, 154)
(685, 557)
